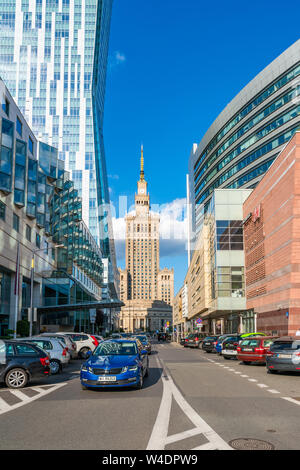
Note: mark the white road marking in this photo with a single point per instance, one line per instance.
(5, 407)
(22, 396)
(273, 391)
(292, 400)
(262, 385)
(244, 375)
(252, 380)
(159, 437)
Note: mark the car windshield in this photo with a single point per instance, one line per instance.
(111, 348)
(208, 338)
(250, 342)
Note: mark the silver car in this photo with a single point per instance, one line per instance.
(66, 340)
(56, 350)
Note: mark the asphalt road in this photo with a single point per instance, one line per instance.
(191, 400)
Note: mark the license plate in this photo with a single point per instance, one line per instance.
(284, 356)
(190, 341)
(229, 351)
(247, 350)
(207, 344)
(107, 379)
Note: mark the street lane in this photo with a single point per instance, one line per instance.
(207, 402)
(232, 405)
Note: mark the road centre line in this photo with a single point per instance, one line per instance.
(273, 391)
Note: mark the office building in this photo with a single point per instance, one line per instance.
(53, 59)
(41, 227)
(272, 246)
(247, 136)
(213, 296)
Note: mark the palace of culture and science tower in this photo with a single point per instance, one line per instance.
(146, 291)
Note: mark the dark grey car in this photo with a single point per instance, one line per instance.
(284, 355)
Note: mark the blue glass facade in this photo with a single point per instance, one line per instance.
(53, 58)
(247, 136)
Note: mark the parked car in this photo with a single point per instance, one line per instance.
(145, 342)
(254, 349)
(116, 336)
(84, 342)
(115, 363)
(182, 340)
(66, 340)
(209, 343)
(161, 336)
(55, 349)
(284, 355)
(21, 362)
(229, 347)
(194, 340)
(99, 338)
(220, 341)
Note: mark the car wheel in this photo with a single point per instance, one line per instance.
(83, 387)
(226, 357)
(55, 366)
(139, 385)
(147, 372)
(247, 362)
(16, 378)
(83, 353)
(272, 371)
(208, 351)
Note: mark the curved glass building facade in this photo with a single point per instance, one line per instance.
(247, 136)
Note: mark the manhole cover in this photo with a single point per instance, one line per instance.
(251, 444)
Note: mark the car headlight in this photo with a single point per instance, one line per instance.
(133, 368)
(124, 369)
(84, 368)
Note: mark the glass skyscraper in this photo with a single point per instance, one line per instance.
(53, 59)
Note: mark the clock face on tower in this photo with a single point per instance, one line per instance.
(142, 191)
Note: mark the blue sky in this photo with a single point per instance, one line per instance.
(173, 67)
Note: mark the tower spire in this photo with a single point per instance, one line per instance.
(142, 163)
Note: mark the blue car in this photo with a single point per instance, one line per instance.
(221, 339)
(115, 363)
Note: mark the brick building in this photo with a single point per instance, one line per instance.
(272, 244)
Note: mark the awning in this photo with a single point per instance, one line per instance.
(81, 306)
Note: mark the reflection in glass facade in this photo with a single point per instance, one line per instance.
(247, 136)
(53, 59)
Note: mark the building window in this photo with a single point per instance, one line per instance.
(16, 222)
(38, 240)
(28, 233)
(5, 106)
(2, 210)
(19, 126)
(30, 145)
(229, 235)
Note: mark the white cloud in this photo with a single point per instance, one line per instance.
(119, 57)
(173, 229)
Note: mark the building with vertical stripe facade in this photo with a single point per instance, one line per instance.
(53, 59)
(247, 136)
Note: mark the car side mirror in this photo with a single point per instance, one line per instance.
(143, 352)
